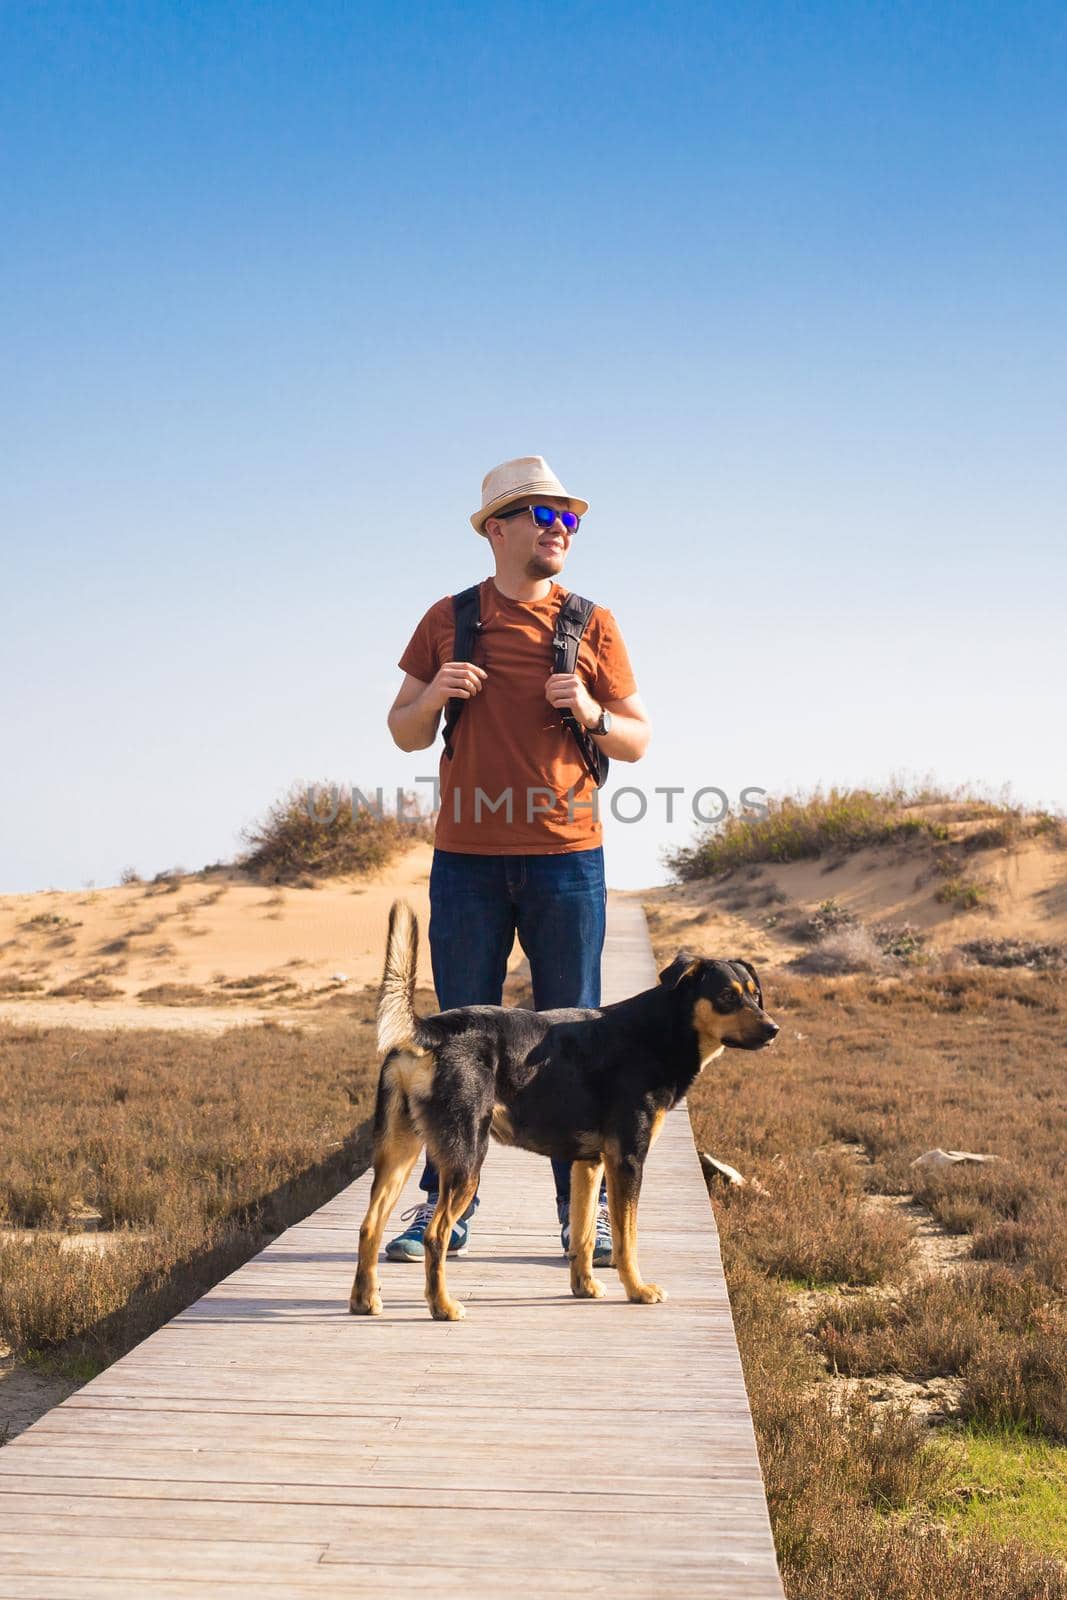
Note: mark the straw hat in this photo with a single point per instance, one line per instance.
(514, 480)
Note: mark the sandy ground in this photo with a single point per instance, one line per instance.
(210, 928)
(291, 949)
(100, 1016)
(26, 1394)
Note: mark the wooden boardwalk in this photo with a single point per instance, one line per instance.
(267, 1443)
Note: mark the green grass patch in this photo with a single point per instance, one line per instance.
(963, 894)
(808, 1285)
(1009, 1485)
(78, 1366)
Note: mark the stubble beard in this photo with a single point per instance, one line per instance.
(544, 567)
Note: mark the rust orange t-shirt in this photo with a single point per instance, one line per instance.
(516, 784)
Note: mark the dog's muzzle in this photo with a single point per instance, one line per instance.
(767, 1033)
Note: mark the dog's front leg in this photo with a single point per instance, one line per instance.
(624, 1173)
(585, 1189)
(456, 1194)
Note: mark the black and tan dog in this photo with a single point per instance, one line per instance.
(588, 1086)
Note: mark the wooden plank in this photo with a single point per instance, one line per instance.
(394, 1578)
(634, 1494)
(64, 1497)
(265, 1440)
(355, 1535)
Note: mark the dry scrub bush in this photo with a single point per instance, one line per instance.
(1015, 953)
(15, 984)
(853, 1557)
(176, 994)
(203, 1124)
(962, 894)
(320, 839)
(813, 1224)
(967, 1198)
(933, 1330)
(997, 1330)
(816, 1455)
(801, 827)
(849, 950)
(828, 917)
(85, 989)
(1021, 1379)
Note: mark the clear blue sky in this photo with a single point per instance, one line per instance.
(779, 289)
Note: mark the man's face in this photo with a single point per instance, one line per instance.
(542, 551)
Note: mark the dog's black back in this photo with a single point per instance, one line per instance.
(562, 1081)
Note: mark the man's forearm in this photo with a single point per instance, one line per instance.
(414, 726)
(628, 739)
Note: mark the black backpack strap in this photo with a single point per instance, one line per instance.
(571, 623)
(467, 618)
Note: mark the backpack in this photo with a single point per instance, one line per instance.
(571, 623)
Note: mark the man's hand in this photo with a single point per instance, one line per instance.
(416, 712)
(459, 678)
(630, 727)
(567, 692)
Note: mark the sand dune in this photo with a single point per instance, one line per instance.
(755, 911)
(250, 950)
(212, 950)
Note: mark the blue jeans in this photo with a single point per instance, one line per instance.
(556, 905)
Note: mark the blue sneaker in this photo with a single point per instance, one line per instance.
(603, 1253)
(409, 1245)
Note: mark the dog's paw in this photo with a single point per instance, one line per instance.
(366, 1308)
(447, 1311)
(587, 1288)
(646, 1294)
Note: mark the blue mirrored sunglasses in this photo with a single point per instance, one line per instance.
(545, 516)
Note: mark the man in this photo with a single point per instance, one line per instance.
(517, 841)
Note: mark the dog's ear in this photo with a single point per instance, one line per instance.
(683, 964)
(750, 969)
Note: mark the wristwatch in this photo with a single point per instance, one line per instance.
(604, 725)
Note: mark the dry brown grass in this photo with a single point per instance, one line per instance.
(813, 1223)
(198, 1146)
(85, 988)
(176, 994)
(847, 1486)
(881, 1559)
(895, 1067)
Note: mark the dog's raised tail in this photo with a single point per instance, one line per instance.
(398, 1026)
